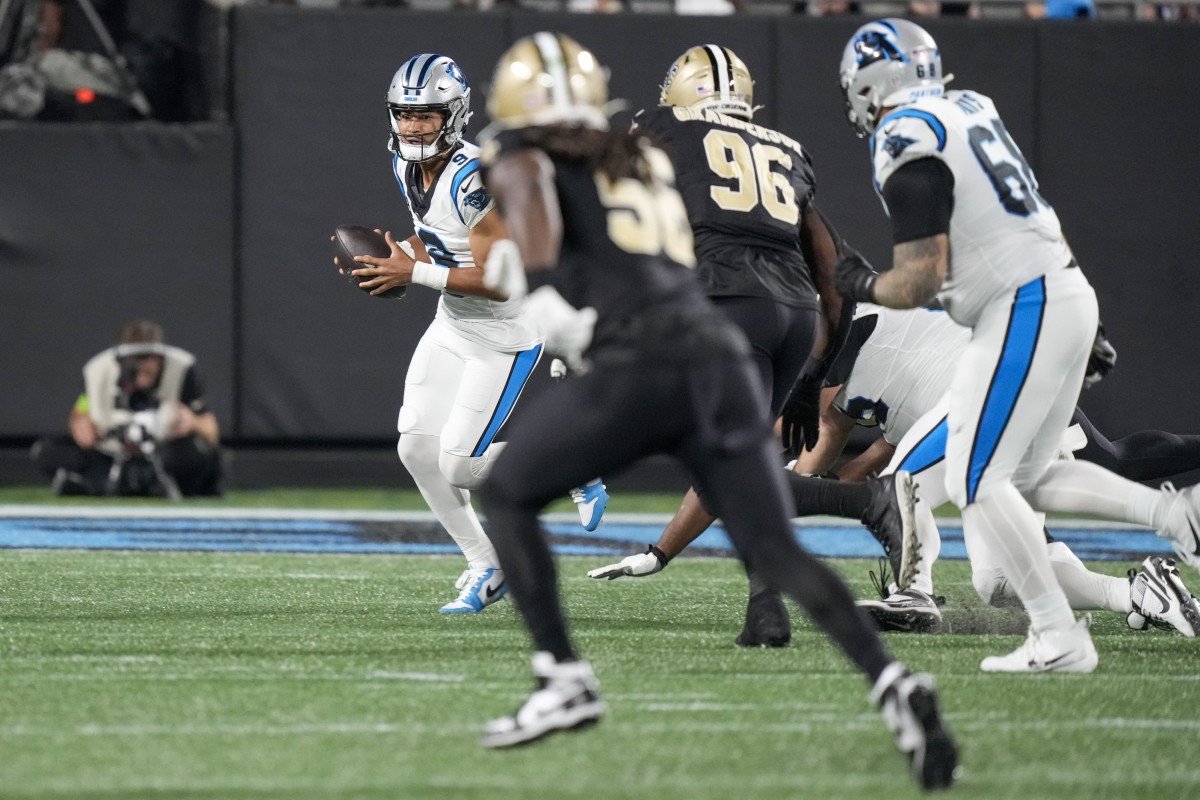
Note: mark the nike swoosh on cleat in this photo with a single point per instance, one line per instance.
(1046, 664)
(1162, 599)
(491, 590)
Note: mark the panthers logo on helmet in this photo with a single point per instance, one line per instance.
(454, 72)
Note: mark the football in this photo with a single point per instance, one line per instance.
(355, 240)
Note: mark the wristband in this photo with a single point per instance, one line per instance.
(659, 554)
(430, 275)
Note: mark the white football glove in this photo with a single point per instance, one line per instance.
(638, 566)
(558, 369)
(504, 271)
(567, 330)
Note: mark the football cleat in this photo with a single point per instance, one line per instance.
(909, 705)
(767, 622)
(590, 501)
(479, 589)
(567, 698)
(891, 519)
(1069, 650)
(1183, 523)
(906, 610)
(1159, 597)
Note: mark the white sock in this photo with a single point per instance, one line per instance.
(1085, 589)
(1080, 487)
(931, 547)
(1006, 523)
(451, 505)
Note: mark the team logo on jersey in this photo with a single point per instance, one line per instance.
(478, 199)
(896, 144)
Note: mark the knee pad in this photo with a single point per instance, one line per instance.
(457, 470)
(418, 453)
(990, 584)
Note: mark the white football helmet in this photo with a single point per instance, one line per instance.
(709, 76)
(429, 82)
(549, 79)
(887, 63)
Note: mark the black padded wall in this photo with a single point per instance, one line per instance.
(99, 225)
(222, 233)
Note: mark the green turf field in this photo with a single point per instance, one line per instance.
(180, 675)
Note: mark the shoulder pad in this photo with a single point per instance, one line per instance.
(905, 135)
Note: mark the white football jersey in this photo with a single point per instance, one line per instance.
(443, 217)
(903, 368)
(1003, 234)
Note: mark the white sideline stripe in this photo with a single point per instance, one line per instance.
(817, 722)
(139, 512)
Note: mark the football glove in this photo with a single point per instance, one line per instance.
(567, 330)
(801, 418)
(1102, 360)
(638, 566)
(855, 277)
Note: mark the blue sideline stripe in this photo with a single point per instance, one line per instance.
(613, 539)
(522, 368)
(929, 451)
(1024, 326)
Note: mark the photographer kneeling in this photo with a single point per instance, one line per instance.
(141, 427)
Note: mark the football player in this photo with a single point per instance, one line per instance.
(474, 360)
(893, 373)
(668, 374)
(763, 253)
(970, 228)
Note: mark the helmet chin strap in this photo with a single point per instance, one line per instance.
(411, 152)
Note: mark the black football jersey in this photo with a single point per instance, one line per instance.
(745, 187)
(627, 252)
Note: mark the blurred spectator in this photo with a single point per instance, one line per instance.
(1061, 9)
(924, 8)
(708, 7)
(141, 426)
(828, 8)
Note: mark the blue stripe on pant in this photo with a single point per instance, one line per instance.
(518, 376)
(1016, 357)
(929, 451)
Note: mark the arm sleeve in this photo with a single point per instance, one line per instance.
(191, 394)
(920, 199)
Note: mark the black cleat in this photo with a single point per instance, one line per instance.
(767, 622)
(906, 611)
(908, 703)
(891, 519)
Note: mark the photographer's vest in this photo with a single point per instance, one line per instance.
(101, 376)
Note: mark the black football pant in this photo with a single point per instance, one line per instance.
(191, 461)
(712, 416)
(1140, 456)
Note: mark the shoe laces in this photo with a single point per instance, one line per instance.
(576, 494)
(882, 583)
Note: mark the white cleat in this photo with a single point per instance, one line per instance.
(567, 698)
(1183, 523)
(1160, 598)
(479, 588)
(1069, 650)
(590, 501)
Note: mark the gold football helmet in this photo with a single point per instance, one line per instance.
(709, 76)
(548, 78)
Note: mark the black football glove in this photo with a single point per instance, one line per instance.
(1102, 360)
(856, 278)
(801, 418)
